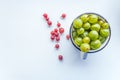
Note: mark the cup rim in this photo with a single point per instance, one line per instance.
(104, 44)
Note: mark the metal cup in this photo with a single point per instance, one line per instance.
(84, 55)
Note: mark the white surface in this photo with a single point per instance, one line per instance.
(26, 52)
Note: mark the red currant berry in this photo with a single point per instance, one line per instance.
(61, 30)
(57, 46)
(58, 24)
(67, 36)
(52, 33)
(47, 19)
(57, 38)
(55, 30)
(45, 15)
(63, 15)
(60, 57)
(49, 23)
(52, 37)
(56, 34)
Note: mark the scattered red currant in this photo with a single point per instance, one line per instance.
(45, 15)
(47, 19)
(61, 30)
(67, 36)
(49, 23)
(57, 46)
(55, 30)
(52, 33)
(60, 57)
(52, 37)
(63, 15)
(57, 38)
(58, 24)
(56, 34)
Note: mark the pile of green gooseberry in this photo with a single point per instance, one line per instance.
(89, 32)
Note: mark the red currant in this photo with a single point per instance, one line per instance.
(57, 38)
(52, 37)
(60, 57)
(49, 23)
(56, 34)
(47, 19)
(63, 15)
(55, 30)
(52, 33)
(61, 30)
(57, 46)
(45, 15)
(58, 24)
(67, 36)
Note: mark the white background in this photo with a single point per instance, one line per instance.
(27, 53)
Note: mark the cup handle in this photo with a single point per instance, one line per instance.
(83, 55)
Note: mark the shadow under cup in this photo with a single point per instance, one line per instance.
(84, 55)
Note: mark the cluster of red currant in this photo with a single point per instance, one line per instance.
(55, 34)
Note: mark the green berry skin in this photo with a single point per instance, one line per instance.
(95, 44)
(80, 31)
(74, 34)
(102, 39)
(77, 23)
(86, 26)
(100, 22)
(85, 34)
(104, 32)
(105, 25)
(95, 27)
(84, 18)
(93, 18)
(78, 41)
(93, 35)
(86, 40)
(85, 47)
